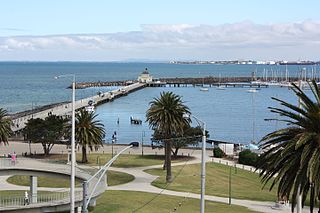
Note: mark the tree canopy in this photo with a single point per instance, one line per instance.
(89, 132)
(292, 154)
(5, 126)
(48, 131)
(166, 116)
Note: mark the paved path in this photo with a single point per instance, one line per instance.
(143, 180)
(142, 183)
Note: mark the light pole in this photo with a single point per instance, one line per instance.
(203, 161)
(73, 157)
(142, 135)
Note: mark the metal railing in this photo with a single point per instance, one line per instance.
(42, 198)
(7, 162)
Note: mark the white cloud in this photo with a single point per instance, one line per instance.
(175, 41)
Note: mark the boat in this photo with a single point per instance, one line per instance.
(204, 89)
(252, 90)
(220, 87)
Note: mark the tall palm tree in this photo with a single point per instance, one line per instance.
(292, 159)
(5, 126)
(89, 132)
(165, 115)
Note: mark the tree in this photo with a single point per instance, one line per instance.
(166, 115)
(247, 157)
(5, 126)
(46, 131)
(189, 136)
(292, 159)
(89, 132)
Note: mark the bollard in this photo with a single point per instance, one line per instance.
(182, 153)
(129, 152)
(227, 163)
(103, 152)
(188, 154)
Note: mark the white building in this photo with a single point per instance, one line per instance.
(145, 77)
(227, 148)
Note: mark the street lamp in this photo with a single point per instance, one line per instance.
(203, 160)
(73, 159)
(142, 135)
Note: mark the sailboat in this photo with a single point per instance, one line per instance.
(204, 89)
(220, 87)
(252, 90)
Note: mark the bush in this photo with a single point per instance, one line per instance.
(247, 157)
(217, 152)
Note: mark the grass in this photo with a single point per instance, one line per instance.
(127, 201)
(245, 184)
(124, 160)
(114, 178)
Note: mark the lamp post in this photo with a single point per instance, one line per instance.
(73, 159)
(203, 161)
(142, 135)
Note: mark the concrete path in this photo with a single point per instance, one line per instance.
(142, 183)
(143, 180)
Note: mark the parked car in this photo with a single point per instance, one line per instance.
(134, 144)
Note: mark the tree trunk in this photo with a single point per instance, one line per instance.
(165, 156)
(175, 152)
(30, 147)
(45, 149)
(168, 162)
(84, 154)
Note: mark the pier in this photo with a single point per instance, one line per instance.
(64, 109)
(19, 120)
(185, 82)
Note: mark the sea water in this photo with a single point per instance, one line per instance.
(232, 114)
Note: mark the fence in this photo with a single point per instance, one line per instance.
(7, 162)
(42, 198)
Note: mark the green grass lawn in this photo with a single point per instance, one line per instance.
(124, 161)
(245, 184)
(114, 178)
(127, 201)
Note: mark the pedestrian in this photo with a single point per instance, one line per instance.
(13, 159)
(26, 198)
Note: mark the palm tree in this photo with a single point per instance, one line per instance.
(89, 132)
(165, 116)
(5, 126)
(292, 159)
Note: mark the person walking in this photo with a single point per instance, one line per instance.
(26, 198)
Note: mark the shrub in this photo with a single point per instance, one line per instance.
(217, 152)
(247, 157)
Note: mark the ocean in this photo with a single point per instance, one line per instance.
(231, 115)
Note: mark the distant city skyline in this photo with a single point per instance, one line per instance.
(159, 31)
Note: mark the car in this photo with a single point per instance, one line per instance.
(134, 144)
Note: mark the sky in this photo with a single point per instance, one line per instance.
(97, 30)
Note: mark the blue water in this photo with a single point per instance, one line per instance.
(231, 115)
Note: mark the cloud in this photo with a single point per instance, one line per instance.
(172, 41)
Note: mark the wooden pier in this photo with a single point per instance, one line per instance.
(185, 82)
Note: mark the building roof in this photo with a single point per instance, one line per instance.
(145, 71)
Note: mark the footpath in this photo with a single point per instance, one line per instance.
(143, 180)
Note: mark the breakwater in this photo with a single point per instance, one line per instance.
(183, 81)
